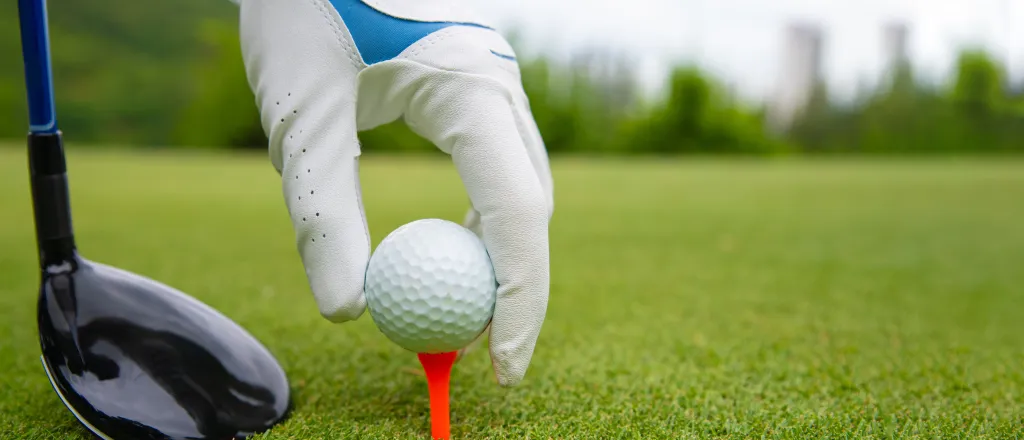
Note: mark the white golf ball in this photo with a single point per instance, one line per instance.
(430, 286)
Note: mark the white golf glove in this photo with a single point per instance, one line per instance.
(323, 70)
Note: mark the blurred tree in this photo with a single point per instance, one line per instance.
(979, 94)
(170, 73)
(221, 110)
(699, 117)
(978, 87)
(904, 115)
(118, 66)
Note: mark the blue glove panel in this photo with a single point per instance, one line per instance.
(381, 37)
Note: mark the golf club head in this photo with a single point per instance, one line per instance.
(136, 359)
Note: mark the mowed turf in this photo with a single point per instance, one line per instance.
(689, 299)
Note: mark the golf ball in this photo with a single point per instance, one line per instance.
(430, 286)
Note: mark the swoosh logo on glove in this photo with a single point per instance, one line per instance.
(501, 55)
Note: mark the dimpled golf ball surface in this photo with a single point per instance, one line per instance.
(430, 286)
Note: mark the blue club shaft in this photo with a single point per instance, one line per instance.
(35, 47)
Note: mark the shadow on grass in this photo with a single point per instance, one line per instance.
(372, 390)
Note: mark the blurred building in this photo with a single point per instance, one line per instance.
(799, 74)
(1017, 88)
(894, 43)
(895, 37)
(615, 74)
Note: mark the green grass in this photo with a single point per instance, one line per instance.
(703, 299)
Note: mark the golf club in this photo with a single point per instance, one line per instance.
(131, 358)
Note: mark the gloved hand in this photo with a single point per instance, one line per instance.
(322, 70)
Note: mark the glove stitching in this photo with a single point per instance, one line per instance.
(430, 40)
(349, 50)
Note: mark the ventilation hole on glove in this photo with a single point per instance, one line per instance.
(289, 154)
(295, 112)
(311, 192)
(318, 214)
(314, 240)
(325, 235)
(282, 119)
(300, 197)
(303, 219)
(303, 150)
(296, 177)
(308, 170)
(289, 94)
(278, 102)
(290, 137)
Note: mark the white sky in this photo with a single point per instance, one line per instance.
(741, 40)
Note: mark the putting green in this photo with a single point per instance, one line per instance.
(690, 298)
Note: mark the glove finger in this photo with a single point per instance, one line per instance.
(307, 107)
(539, 158)
(478, 128)
(513, 222)
(325, 204)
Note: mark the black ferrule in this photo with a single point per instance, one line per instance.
(50, 198)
